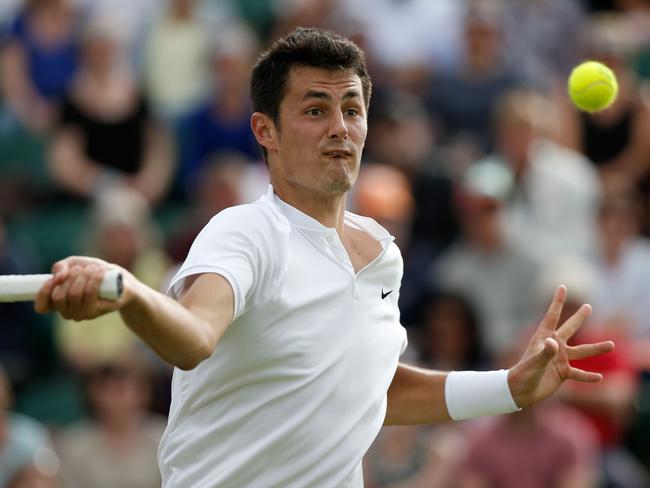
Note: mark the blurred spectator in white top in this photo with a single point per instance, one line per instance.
(107, 136)
(176, 59)
(434, 30)
(38, 61)
(552, 208)
(621, 291)
(492, 274)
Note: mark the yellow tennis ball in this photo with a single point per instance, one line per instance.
(592, 86)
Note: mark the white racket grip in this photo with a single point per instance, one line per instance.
(22, 288)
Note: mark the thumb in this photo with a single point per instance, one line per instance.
(544, 356)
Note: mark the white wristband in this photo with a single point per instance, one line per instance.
(470, 394)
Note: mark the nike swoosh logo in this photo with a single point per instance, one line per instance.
(384, 295)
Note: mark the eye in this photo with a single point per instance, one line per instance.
(352, 112)
(314, 112)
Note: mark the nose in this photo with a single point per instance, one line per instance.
(338, 128)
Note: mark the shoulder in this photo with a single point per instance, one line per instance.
(253, 229)
(257, 217)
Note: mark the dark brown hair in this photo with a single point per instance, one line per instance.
(305, 46)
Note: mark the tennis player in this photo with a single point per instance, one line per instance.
(283, 322)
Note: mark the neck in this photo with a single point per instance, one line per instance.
(326, 208)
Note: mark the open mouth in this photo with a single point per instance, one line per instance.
(338, 154)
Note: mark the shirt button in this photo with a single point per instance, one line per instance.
(329, 238)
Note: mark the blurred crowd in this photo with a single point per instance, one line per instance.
(124, 126)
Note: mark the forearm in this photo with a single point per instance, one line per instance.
(416, 396)
(175, 333)
(420, 396)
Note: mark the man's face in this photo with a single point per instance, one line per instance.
(321, 131)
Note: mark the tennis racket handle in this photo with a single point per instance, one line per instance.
(23, 288)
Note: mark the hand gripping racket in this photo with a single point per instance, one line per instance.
(23, 288)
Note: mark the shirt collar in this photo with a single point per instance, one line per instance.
(304, 221)
(294, 215)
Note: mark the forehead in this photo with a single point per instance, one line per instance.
(303, 79)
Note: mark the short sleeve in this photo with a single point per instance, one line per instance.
(245, 246)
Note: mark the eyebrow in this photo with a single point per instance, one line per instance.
(326, 96)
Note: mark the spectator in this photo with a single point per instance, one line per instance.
(543, 41)
(118, 445)
(463, 99)
(552, 208)
(221, 183)
(293, 13)
(451, 337)
(415, 457)
(609, 405)
(429, 456)
(222, 123)
(616, 139)
(176, 59)
(539, 447)
(483, 266)
(383, 193)
(122, 231)
(621, 294)
(39, 60)
(403, 136)
(25, 449)
(402, 61)
(107, 136)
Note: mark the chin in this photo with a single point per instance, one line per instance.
(340, 186)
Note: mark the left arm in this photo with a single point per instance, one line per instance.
(418, 395)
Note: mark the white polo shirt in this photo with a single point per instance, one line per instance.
(295, 391)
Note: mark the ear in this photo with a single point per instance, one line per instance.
(264, 130)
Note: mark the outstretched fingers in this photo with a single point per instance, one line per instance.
(588, 350)
(552, 317)
(573, 323)
(577, 374)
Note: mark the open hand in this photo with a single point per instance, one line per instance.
(545, 363)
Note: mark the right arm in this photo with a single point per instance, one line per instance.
(183, 332)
